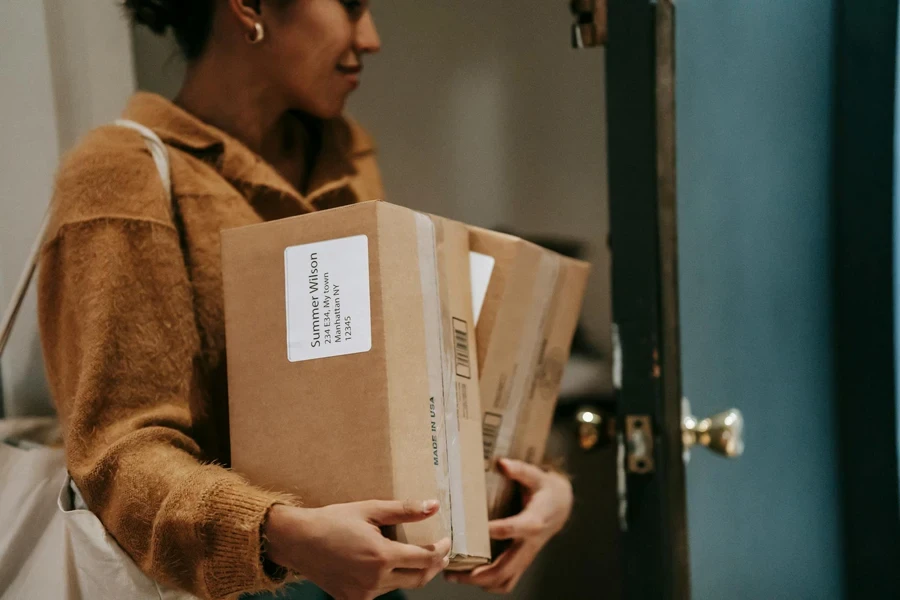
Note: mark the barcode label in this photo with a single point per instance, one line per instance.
(461, 342)
(490, 428)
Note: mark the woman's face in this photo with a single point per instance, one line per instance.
(313, 51)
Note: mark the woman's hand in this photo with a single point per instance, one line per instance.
(548, 504)
(341, 548)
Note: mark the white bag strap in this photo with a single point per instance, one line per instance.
(158, 151)
(160, 155)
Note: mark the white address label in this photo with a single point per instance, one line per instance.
(328, 302)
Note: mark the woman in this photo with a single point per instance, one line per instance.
(132, 320)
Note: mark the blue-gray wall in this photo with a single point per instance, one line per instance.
(754, 107)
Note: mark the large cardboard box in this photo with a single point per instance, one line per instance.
(531, 303)
(352, 365)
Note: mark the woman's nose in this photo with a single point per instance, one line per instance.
(367, 40)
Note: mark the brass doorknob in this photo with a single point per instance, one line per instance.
(722, 433)
(595, 427)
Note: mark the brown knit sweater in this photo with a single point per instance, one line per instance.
(133, 333)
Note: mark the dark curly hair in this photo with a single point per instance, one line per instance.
(190, 20)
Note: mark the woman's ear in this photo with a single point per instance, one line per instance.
(245, 11)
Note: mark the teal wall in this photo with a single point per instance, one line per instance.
(754, 108)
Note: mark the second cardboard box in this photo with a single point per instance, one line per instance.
(529, 300)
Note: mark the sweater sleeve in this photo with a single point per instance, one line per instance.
(122, 349)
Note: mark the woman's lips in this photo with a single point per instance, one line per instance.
(350, 70)
(351, 73)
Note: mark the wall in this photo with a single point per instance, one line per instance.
(483, 112)
(28, 158)
(91, 62)
(754, 102)
(66, 67)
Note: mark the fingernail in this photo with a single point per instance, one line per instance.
(430, 505)
(446, 562)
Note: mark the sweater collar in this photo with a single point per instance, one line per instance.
(343, 143)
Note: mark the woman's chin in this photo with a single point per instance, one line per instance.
(326, 110)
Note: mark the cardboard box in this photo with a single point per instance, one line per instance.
(352, 365)
(530, 309)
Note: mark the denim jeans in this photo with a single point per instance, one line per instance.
(307, 591)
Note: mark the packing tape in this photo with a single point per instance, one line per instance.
(451, 428)
(426, 238)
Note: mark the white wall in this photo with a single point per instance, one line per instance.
(92, 63)
(483, 112)
(64, 68)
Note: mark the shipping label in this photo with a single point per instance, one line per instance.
(328, 298)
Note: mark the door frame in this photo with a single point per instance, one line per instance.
(864, 298)
(640, 74)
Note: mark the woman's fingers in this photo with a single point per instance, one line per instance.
(528, 475)
(521, 526)
(407, 556)
(405, 566)
(419, 565)
(385, 513)
(411, 579)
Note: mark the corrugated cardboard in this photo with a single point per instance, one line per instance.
(396, 417)
(525, 329)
